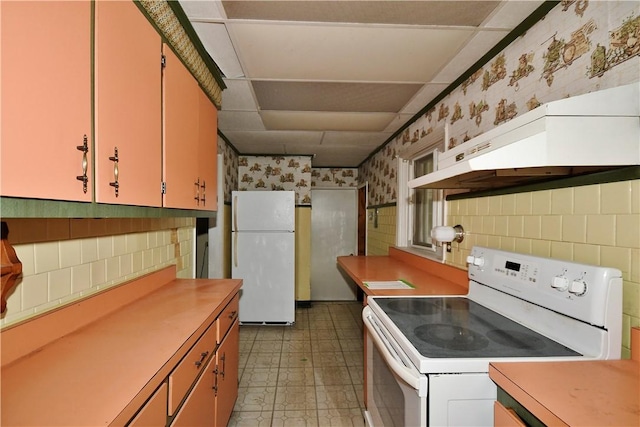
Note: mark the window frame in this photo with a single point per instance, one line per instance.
(431, 145)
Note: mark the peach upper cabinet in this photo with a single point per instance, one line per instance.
(45, 137)
(190, 139)
(128, 112)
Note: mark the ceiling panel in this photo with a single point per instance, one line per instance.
(344, 53)
(321, 121)
(461, 13)
(327, 96)
(338, 78)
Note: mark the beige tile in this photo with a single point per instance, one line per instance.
(574, 228)
(112, 268)
(488, 224)
(586, 254)
(70, 253)
(551, 227)
(508, 244)
(26, 255)
(631, 298)
(295, 376)
(476, 224)
(472, 206)
(259, 377)
(295, 398)
(98, 273)
(541, 248)
(119, 245)
(601, 229)
(524, 204)
(89, 248)
(562, 201)
(616, 257)
(59, 284)
(80, 277)
(587, 199)
(483, 206)
(628, 231)
(562, 250)
(635, 266)
(635, 196)
(255, 399)
(508, 204)
(502, 225)
(251, 419)
(331, 375)
(336, 397)
(532, 227)
(541, 202)
(523, 246)
(46, 257)
(616, 197)
(35, 291)
(347, 417)
(495, 205)
(516, 226)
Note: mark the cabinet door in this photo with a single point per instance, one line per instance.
(154, 412)
(226, 384)
(128, 114)
(46, 98)
(199, 408)
(504, 417)
(208, 154)
(181, 129)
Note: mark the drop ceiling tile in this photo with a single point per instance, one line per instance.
(328, 96)
(239, 120)
(511, 13)
(215, 39)
(274, 137)
(423, 97)
(339, 157)
(367, 140)
(398, 121)
(477, 46)
(459, 13)
(344, 53)
(198, 9)
(238, 96)
(321, 121)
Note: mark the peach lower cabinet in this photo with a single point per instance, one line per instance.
(590, 393)
(156, 351)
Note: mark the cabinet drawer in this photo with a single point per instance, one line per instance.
(183, 376)
(505, 417)
(154, 412)
(228, 315)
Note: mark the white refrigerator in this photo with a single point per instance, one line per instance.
(263, 255)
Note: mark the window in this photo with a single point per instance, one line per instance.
(419, 210)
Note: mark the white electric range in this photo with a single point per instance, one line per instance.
(428, 356)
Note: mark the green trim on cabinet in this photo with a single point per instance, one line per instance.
(13, 207)
(615, 175)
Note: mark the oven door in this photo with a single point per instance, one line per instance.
(396, 391)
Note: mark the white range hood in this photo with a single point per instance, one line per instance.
(582, 134)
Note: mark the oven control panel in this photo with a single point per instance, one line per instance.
(563, 286)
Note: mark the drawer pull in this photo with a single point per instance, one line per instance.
(116, 170)
(202, 357)
(233, 314)
(223, 358)
(215, 385)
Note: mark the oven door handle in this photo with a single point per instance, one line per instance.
(411, 376)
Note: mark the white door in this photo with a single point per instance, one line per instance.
(334, 232)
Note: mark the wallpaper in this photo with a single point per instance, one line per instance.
(230, 161)
(334, 177)
(570, 52)
(276, 173)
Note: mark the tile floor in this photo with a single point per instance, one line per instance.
(308, 374)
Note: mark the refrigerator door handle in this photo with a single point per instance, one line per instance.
(235, 214)
(235, 248)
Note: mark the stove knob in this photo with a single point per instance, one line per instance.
(560, 283)
(479, 262)
(470, 259)
(578, 287)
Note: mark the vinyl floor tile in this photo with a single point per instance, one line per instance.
(307, 374)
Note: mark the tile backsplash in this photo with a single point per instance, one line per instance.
(592, 224)
(55, 273)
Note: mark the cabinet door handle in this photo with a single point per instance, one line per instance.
(223, 358)
(197, 198)
(203, 188)
(203, 356)
(116, 170)
(233, 314)
(85, 163)
(215, 384)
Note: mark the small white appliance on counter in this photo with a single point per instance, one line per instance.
(263, 255)
(428, 356)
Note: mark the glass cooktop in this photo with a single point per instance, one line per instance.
(457, 327)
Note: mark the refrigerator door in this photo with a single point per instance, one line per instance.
(263, 211)
(265, 262)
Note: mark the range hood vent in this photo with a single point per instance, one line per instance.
(589, 133)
